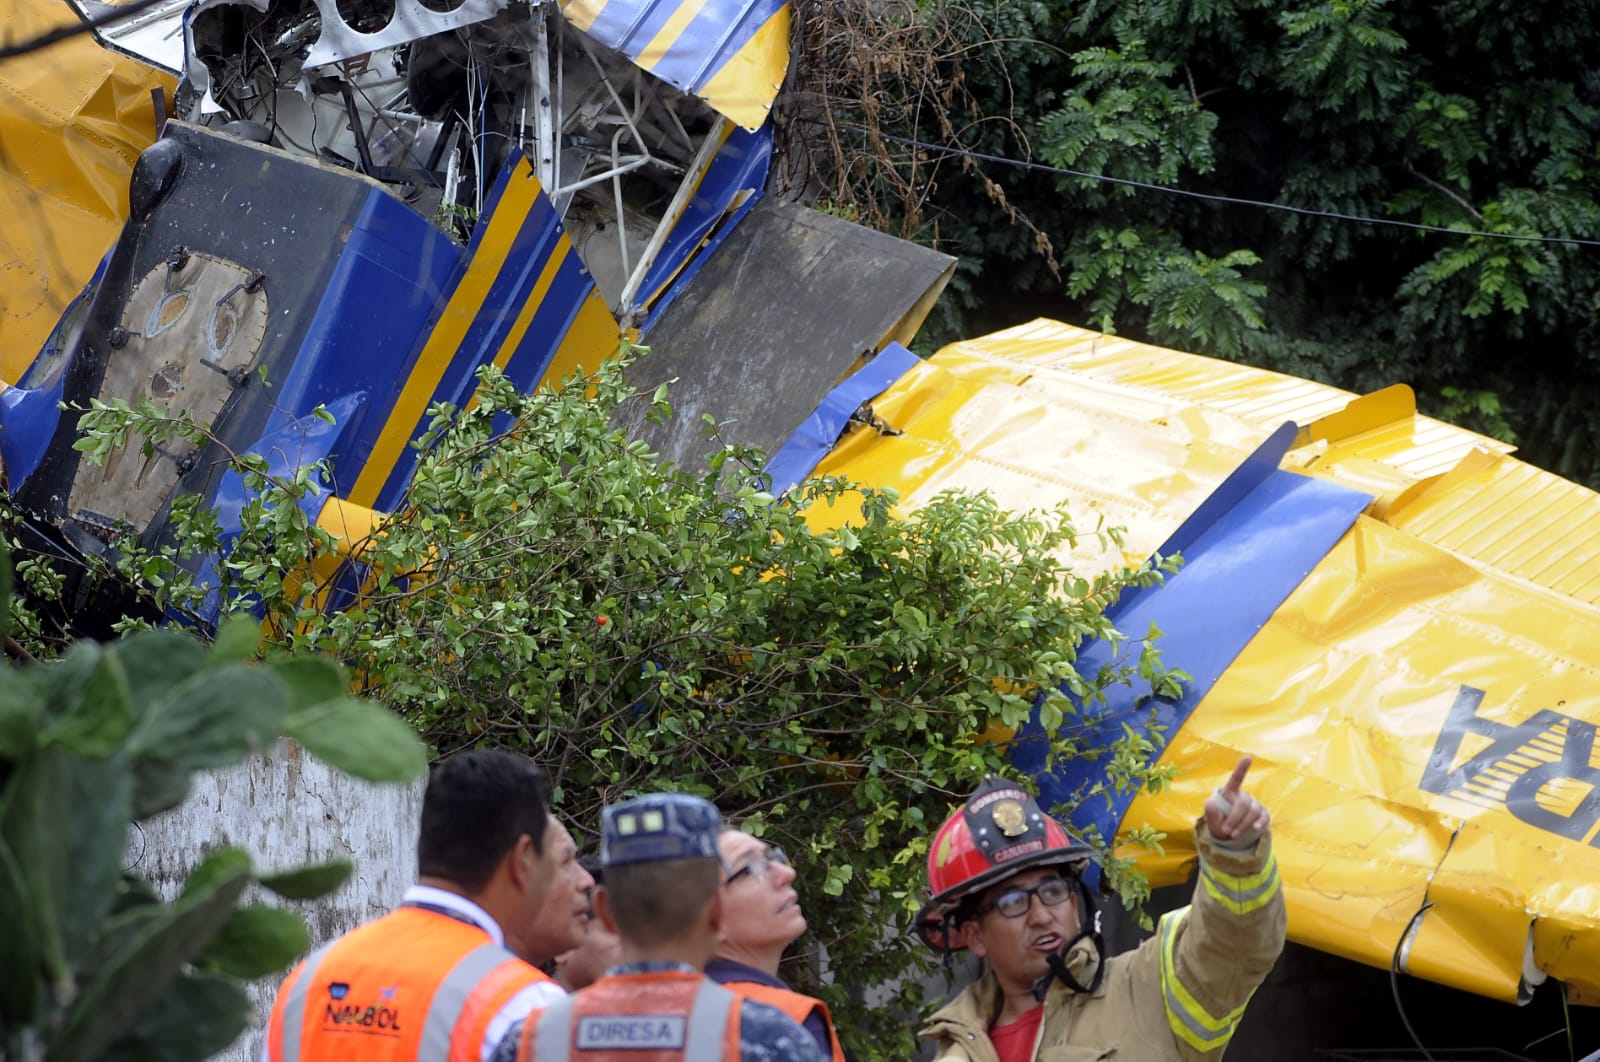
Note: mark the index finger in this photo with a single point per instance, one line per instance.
(1236, 779)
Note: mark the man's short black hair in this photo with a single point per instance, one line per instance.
(660, 903)
(477, 804)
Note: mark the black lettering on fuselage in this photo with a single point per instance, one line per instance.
(1517, 764)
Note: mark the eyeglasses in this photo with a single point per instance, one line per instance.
(1014, 903)
(757, 867)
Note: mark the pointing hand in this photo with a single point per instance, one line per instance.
(1235, 818)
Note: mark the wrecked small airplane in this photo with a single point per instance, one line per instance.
(352, 205)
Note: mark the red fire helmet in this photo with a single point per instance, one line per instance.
(998, 832)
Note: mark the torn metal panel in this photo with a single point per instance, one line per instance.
(153, 36)
(434, 103)
(1417, 687)
(773, 320)
(72, 122)
(406, 21)
(734, 54)
(1398, 694)
(257, 286)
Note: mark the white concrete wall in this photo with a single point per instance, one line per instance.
(286, 809)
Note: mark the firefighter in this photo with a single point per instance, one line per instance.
(761, 916)
(1007, 885)
(435, 978)
(663, 895)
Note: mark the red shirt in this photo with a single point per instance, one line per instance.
(1014, 1042)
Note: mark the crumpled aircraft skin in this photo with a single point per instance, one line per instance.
(72, 122)
(1399, 621)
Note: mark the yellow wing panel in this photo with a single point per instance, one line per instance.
(73, 120)
(1351, 699)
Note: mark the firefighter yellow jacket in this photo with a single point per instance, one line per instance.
(1176, 998)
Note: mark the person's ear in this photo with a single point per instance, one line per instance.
(520, 863)
(973, 933)
(714, 911)
(602, 909)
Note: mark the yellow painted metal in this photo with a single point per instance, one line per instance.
(592, 337)
(73, 120)
(1341, 699)
(582, 13)
(422, 381)
(1138, 435)
(658, 46)
(1518, 519)
(1471, 569)
(742, 88)
(749, 81)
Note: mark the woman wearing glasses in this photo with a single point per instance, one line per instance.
(761, 917)
(1007, 884)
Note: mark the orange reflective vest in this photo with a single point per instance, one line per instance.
(796, 1006)
(672, 1016)
(415, 984)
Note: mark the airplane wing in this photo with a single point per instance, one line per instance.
(1397, 619)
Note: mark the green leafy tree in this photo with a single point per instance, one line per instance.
(95, 966)
(553, 588)
(1468, 115)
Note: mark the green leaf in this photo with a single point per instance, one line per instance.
(31, 818)
(237, 640)
(144, 952)
(93, 834)
(217, 868)
(361, 738)
(5, 593)
(199, 1016)
(132, 891)
(21, 702)
(157, 785)
(66, 678)
(93, 720)
(256, 941)
(213, 718)
(308, 882)
(155, 662)
(310, 680)
(21, 988)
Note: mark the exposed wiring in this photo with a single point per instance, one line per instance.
(1259, 204)
(1394, 977)
(87, 25)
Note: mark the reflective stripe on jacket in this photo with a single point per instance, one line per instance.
(794, 1004)
(414, 984)
(645, 1017)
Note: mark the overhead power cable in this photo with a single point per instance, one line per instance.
(67, 32)
(1261, 204)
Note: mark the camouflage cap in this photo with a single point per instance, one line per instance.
(658, 826)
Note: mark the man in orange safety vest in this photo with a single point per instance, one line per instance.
(439, 978)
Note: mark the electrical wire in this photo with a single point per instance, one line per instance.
(87, 25)
(1259, 204)
(1394, 978)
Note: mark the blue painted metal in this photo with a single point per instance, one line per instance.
(741, 164)
(557, 310)
(716, 33)
(539, 237)
(30, 411)
(814, 438)
(1245, 550)
(294, 444)
(388, 286)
